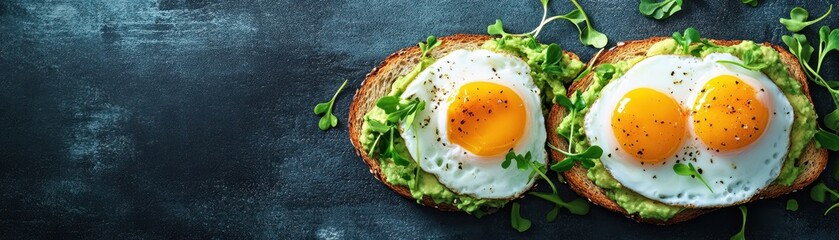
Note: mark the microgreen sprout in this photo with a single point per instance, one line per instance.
(792, 205)
(328, 120)
(524, 162)
(798, 19)
(752, 3)
(518, 222)
(588, 35)
(659, 9)
(690, 170)
(818, 192)
(397, 110)
(799, 46)
(585, 156)
(741, 235)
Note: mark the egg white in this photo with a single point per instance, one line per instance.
(734, 176)
(455, 167)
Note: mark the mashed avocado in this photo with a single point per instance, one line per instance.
(803, 126)
(428, 186)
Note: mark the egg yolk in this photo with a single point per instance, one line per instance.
(648, 124)
(486, 118)
(727, 114)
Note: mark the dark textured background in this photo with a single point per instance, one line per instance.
(193, 118)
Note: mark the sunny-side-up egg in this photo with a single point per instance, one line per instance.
(479, 105)
(731, 123)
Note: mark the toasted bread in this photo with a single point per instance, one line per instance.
(812, 158)
(378, 84)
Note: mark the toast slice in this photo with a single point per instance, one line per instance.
(378, 83)
(814, 159)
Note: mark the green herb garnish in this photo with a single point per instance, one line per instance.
(328, 120)
(430, 43)
(818, 192)
(397, 110)
(518, 222)
(792, 205)
(752, 3)
(689, 170)
(553, 58)
(798, 19)
(659, 10)
(799, 46)
(588, 35)
(827, 140)
(742, 234)
(749, 61)
(524, 162)
(586, 155)
(690, 37)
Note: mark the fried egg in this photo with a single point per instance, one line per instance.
(480, 105)
(731, 123)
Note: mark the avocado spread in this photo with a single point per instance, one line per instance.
(428, 186)
(803, 126)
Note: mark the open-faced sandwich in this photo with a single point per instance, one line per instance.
(438, 123)
(688, 125)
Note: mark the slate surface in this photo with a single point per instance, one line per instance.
(193, 118)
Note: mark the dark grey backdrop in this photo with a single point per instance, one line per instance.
(193, 118)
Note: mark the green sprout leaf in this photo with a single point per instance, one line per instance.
(377, 126)
(552, 214)
(827, 140)
(553, 58)
(752, 3)
(798, 19)
(742, 234)
(819, 192)
(430, 43)
(605, 71)
(591, 152)
(497, 29)
(828, 41)
(397, 111)
(388, 103)
(585, 158)
(831, 120)
(659, 10)
(792, 205)
(562, 100)
(799, 46)
(588, 35)
(328, 120)
(507, 159)
(578, 206)
(518, 222)
(522, 161)
(685, 40)
(564, 165)
(533, 44)
(579, 103)
(690, 170)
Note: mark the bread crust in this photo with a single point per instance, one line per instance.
(378, 83)
(812, 158)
